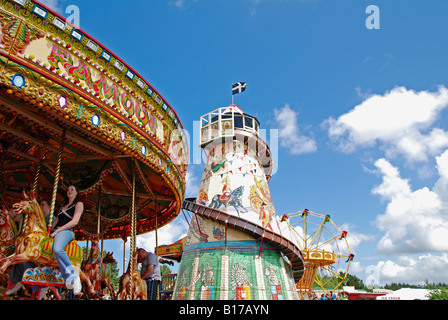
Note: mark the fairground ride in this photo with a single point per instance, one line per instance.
(73, 112)
(325, 251)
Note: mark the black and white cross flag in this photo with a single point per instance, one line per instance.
(238, 87)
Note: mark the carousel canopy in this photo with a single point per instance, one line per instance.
(72, 109)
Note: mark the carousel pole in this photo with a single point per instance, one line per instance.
(133, 230)
(2, 172)
(157, 244)
(157, 241)
(98, 210)
(37, 173)
(124, 256)
(56, 179)
(35, 182)
(98, 229)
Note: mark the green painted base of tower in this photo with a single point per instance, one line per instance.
(233, 270)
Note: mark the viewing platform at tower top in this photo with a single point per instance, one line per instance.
(223, 122)
(228, 125)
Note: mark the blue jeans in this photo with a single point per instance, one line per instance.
(61, 239)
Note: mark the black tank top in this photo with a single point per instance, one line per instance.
(65, 216)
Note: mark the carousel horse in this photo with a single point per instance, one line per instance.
(8, 234)
(106, 273)
(97, 270)
(138, 284)
(35, 244)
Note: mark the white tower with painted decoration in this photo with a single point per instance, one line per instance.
(237, 247)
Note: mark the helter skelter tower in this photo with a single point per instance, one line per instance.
(237, 248)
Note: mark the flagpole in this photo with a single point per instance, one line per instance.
(232, 93)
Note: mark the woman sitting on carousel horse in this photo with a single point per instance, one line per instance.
(63, 233)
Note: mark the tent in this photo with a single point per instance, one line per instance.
(406, 294)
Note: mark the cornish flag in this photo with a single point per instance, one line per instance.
(238, 87)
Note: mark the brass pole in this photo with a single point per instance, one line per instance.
(124, 256)
(35, 182)
(37, 173)
(98, 210)
(157, 241)
(133, 229)
(2, 164)
(56, 179)
(157, 244)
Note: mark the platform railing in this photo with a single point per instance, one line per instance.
(168, 282)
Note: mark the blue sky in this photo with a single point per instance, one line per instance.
(361, 113)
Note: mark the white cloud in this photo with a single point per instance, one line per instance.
(355, 267)
(179, 4)
(192, 183)
(355, 239)
(403, 124)
(400, 121)
(414, 270)
(182, 4)
(289, 133)
(55, 5)
(414, 220)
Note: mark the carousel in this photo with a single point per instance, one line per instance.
(74, 113)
